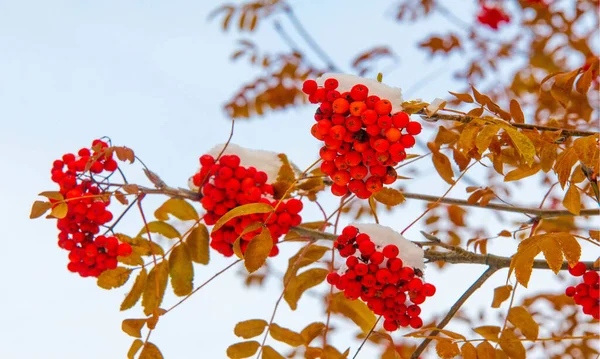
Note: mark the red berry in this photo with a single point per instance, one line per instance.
(390, 325)
(350, 231)
(590, 277)
(359, 92)
(390, 251)
(416, 322)
(331, 84)
(428, 289)
(413, 128)
(570, 291)
(578, 270)
(333, 278)
(309, 87)
(124, 250)
(407, 141)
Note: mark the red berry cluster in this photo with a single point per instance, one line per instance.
(225, 184)
(492, 16)
(89, 255)
(381, 280)
(363, 140)
(586, 294)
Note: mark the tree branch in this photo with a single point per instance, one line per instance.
(526, 126)
(463, 298)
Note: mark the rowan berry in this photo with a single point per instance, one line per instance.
(357, 108)
(338, 190)
(309, 87)
(332, 95)
(374, 184)
(578, 270)
(366, 248)
(413, 128)
(381, 145)
(590, 277)
(428, 289)
(340, 105)
(350, 231)
(416, 323)
(333, 278)
(407, 141)
(353, 123)
(376, 258)
(383, 107)
(331, 84)
(327, 154)
(359, 92)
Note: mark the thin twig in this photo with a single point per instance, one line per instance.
(366, 337)
(463, 298)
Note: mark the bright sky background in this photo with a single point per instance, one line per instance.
(153, 75)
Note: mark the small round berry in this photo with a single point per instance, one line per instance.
(377, 258)
(359, 92)
(333, 278)
(390, 325)
(340, 105)
(407, 141)
(331, 84)
(383, 107)
(413, 128)
(361, 269)
(339, 190)
(578, 270)
(390, 251)
(357, 108)
(350, 231)
(428, 289)
(590, 277)
(393, 134)
(413, 311)
(400, 120)
(351, 262)
(570, 291)
(416, 323)
(309, 87)
(124, 250)
(366, 248)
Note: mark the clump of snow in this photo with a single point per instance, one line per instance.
(435, 106)
(346, 82)
(410, 253)
(266, 161)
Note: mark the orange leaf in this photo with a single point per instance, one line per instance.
(516, 112)
(250, 328)
(246, 209)
(446, 349)
(133, 327)
(39, 208)
(500, 295)
(520, 318)
(242, 350)
(511, 345)
(443, 167)
(468, 351)
(572, 200)
(489, 332)
(464, 97)
(485, 351)
(285, 335)
(150, 351)
(258, 250)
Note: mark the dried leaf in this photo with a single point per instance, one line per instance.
(520, 318)
(511, 345)
(311, 331)
(572, 200)
(476, 112)
(162, 228)
(136, 290)
(60, 210)
(501, 294)
(52, 195)
(197, 242)
(181, 270)
(242, 349)
(446, 349)
(516, 112)
(298, 285)
(250, 328)
(246, 209)
(521, 143)
(443, 167)
(270, 353)
(113, 278)
(177, 207)
(485, 351)
(489, 332)
(522, 172)
(564, 165)
(154, 290)
(389, 196)
(468, 351)
(456, 214)
(464, 97)
(355, 310)
(133, 327)
(587, 150)
(285, 335)
(150, 351)
(39, 208)
(258, 250)
(307, 255)
(484, 138)
(135, 347)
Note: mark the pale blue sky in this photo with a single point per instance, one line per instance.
(153, 76)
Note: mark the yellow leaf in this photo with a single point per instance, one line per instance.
(250, 328)
(563, 86)
(522, 172)
(520, 318)
(547, 155)
(355, 310)
(60, 210)
(572, 200)
(177, 207)
(285, 335)
(468, 351)
(485, 351)
(389, 196)
(39, 208)
(564, 164)
(331, 353)
(313, 353)
(270, 353)
(150, 351)
(466, 141)
(246, 209)
(445, 136)
(311, 331)
(443, 167)
(521, 143)
(587, 150)
(197, 242)
(464, 97)
(136, 291)
(160, 227)
(307, 255)
(595, 234)
(52, 195)
(133, 327)
(258, 251)
(476, 112)
(135, 346)
(113, 278)
(516, 112)
(390, 353)
(154, 290)
(446, 349)
(501, 355)
(242, 349)
(489, 332)
(569, 246)
(511, 345)
(181, 270)
(500, 295)
(456, 215)
(484, 138)
(298, 285)
(481, 99)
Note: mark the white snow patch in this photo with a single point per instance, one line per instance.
(435, 106)
(346, 82)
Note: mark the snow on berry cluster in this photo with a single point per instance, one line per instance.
(225, 184)
(364, 135)
(585, 294)
(384, 270)
(89, 254)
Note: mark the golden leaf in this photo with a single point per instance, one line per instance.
(572, 200)
(520, 318)
(270, 353)
(389, 196)
(133, 327)
(39, 208)
(311, 331)
(446, 349)
(595, 234)
(313, 353)
(332, 353)
(522, 172)
(468, 351)
(443, 167)
(309, 254)
(547, 155)
(564, 164)
(585, 81)
(587, 150)
(521, 143)
(481, 99)
(150, 351)
(154, 290)
(489, 332)
(246, 209)
(355, 310)
(177, 207)
(511, 345)
(298, 285)
(197, 242)
(286, 335)
(250, 328)
(464, 97)
(390, 353)
(456, 215)
(242, 349)
(121, 197)
(181, 270)
(162, 228)
(52, 195)
(136, 290)
(445, 136)
(484, 138)
(516, 112)
(476, 112)
(500, 354)
(563, 86)
(485, 350)
(461, 159)
(466, 141)
(258, 250)
(135, 346)
(113, 278)
(500, 295)
(60, 210)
